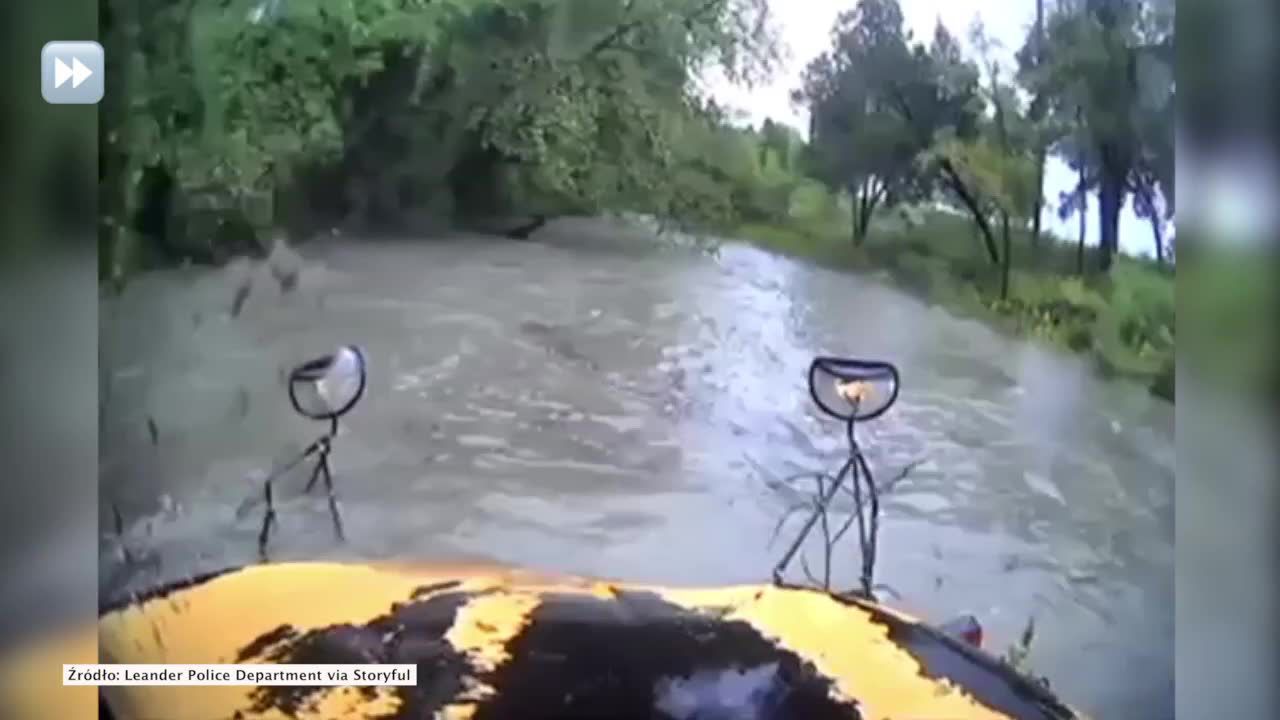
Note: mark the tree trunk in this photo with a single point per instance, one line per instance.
(956, 183)
(873, 201)
(1084, 225)
(1038, 207)
(1082, 190)
(1157, 233)
(1154, 216)
(979, 218)
(864, 204)
(1110, 195)
(1005, 261)
(1039, 49)
(854, 197)
(1037, 114)
(474, 183)
(859, 209)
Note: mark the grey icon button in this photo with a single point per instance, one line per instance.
(71, 72)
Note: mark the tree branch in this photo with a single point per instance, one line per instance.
(618, 32)
(873, 199)
(615, 35)
(961, 190)
(950, 175)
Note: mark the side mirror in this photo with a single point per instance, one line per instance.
(325, 388)
(328, 387)
(850, 389)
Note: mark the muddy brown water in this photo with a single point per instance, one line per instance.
(599, 402)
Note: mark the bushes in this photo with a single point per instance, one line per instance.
(1224, 289)
(1135, 328)
(1124, 320)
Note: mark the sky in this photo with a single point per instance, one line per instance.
(805, 27)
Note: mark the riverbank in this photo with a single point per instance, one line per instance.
(1123, 321)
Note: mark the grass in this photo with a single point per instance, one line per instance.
(1226, 304)
(1124, 320)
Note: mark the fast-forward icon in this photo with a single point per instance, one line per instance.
(76, 72)
(71, 73)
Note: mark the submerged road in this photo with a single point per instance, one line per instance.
(598, 402)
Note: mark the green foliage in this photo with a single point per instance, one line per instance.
(1005, 179)
(584, 106)
(580, 105)
(897, 120)
(1221, 287)
(998, 161)
(1124, 321)
(1106, 85)
(783, 144)
(863, 140)
(226, 94)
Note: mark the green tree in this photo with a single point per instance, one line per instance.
(1030, 59)
(950, 106)
(1099, 61)
(1075, 147)
(879, 103)
(593, 122)
(541, 106)
(784, 141)
(862, 143)
(999, 163)
(232, 95)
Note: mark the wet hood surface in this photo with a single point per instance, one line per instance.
(500, 643)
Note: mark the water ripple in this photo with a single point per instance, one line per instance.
(572, 406)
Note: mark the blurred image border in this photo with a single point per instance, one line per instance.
(48, 334)
(1228, 317)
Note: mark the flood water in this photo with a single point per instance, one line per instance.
(597, 402)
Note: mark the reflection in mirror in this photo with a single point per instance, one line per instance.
(846, 388)
(330, 386)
